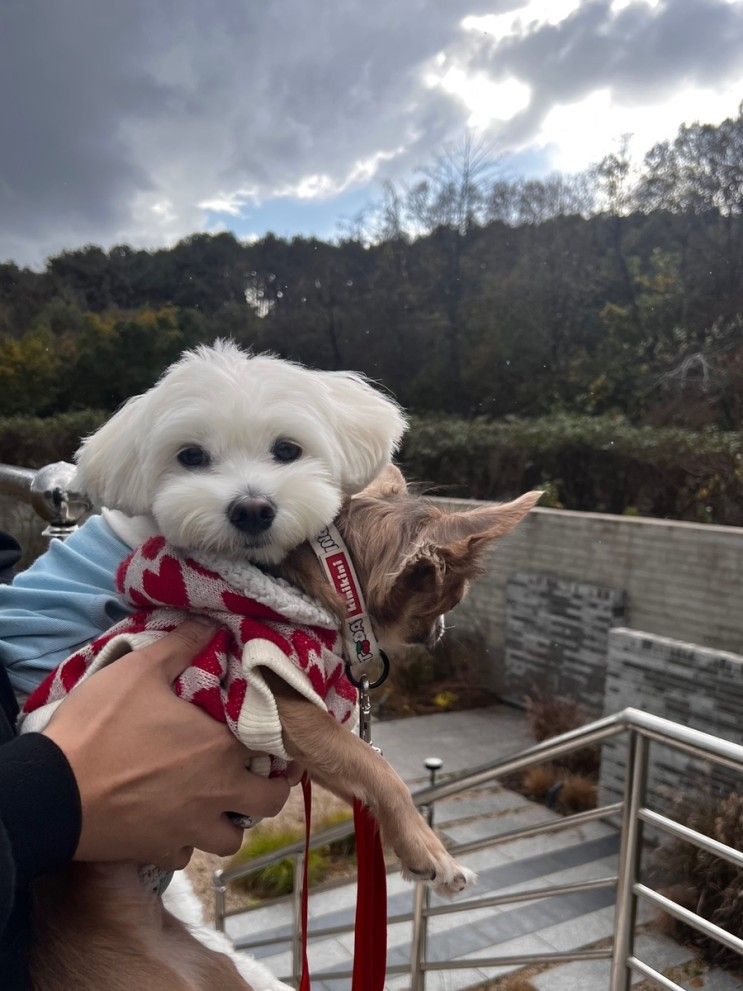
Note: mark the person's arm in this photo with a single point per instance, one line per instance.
(157, 775)
(39, 813)
(126, 770)
(39, 804)
(65, 599)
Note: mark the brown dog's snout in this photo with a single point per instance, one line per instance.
(252, 516)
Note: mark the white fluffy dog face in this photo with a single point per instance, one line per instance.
(244, 456)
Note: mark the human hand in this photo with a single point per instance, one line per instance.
(157, 775)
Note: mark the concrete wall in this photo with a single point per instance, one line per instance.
(687, 684)
(557, 638)
(681, 580)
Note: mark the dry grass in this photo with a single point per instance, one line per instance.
(570, 783)
(514, 984)
(537, 781)
(552, 715)
(707, 885)
(577, 794)
(451, 677)
(570, 792)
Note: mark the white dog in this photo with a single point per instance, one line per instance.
(244, 456)
(241, 458)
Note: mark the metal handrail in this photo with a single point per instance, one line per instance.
(454, 785)
(643, 728)
(654, 727)
(51, 491)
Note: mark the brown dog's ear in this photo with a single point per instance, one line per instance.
(462, 538)
(390, 481)
(422, 579)
(434, 577)
(486, 524)
(452, 543)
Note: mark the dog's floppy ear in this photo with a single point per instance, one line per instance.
(109, 462)
(390, 481)
(368, 425)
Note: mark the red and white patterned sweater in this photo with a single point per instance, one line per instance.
(264, 624)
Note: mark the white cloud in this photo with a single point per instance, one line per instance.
(233, 203)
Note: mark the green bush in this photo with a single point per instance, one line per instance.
(599, 464)
(30, 441)
(278, 879)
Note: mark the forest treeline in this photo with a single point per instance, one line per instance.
(616, 293)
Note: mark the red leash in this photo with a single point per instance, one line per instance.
(305, 984)
(370, 939)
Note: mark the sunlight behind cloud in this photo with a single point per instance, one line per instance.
(578, 134)
(486, 99)
(530, 15)
(322, 185)
(618, 5)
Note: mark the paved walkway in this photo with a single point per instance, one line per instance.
(564, 923)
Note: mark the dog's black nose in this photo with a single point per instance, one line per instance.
(252, 516)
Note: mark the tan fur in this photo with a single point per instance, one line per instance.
(98, 929)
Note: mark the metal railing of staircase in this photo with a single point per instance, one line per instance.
(642, 729)
(49, 491)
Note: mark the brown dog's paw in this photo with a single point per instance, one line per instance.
(444, 874)
(461, 879)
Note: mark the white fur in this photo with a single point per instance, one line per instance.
(183, 903)
(236, 406)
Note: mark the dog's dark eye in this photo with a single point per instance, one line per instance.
(286, 451)
(194, 457)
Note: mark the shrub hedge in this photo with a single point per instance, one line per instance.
(600, 464)
(31, 442)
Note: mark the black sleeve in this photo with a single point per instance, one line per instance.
(40, 813)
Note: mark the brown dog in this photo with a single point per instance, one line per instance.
(99, 929)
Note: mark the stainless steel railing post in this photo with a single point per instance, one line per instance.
(422, 899)
(297, 957)
(220, 908)
(418, 941)
(629, 862)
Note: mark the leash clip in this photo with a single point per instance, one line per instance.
(365, 717)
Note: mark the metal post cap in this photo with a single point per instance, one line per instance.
(433, 763)
(54, 497)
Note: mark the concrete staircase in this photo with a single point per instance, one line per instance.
(557, 923)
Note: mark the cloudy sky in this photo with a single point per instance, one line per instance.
(145, 120)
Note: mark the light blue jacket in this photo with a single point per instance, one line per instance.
(63, 601)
